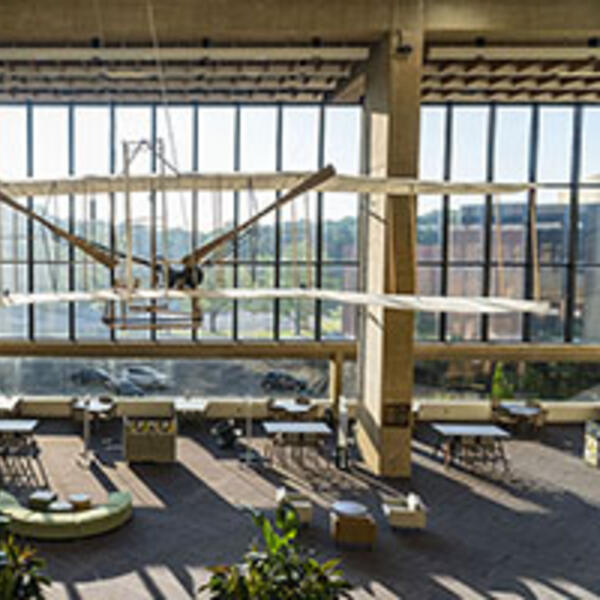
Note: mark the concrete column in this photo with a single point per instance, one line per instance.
(392, 107)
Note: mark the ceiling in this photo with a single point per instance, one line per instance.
(257, 73)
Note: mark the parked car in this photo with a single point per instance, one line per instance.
(145, 377)
(276, 381)
(124, 387)
(90, 375)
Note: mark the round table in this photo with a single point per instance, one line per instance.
(80, 501)
(349, 508)
(41, 499)
(60, 506)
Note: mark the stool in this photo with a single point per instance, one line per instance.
(298, 502)
(60, 506)
(80, 501)
(41, 499)
(405, 512)
(359, 530)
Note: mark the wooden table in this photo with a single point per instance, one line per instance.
(471, 442)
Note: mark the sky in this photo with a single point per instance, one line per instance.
(258, 139)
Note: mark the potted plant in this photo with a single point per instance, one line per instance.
(281, 569)
(21, 576)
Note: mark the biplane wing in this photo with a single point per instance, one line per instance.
(84, 245)
(447, 304)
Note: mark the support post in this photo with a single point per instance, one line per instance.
(392, 107)
(336, 367)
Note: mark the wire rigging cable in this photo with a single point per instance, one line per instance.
(165, 99)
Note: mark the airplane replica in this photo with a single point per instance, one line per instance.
(182, 279)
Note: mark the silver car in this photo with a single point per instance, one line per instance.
(145, 377)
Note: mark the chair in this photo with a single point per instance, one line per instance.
(354, 530)
(405, 511)
(298, 502)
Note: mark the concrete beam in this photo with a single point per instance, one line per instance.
(189, 21)
(167, 350)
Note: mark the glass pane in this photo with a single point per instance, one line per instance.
(13, 240)
(51, 319)
(550, 328)
(300, 149)
(339, 320)
(590, 150)
(217, 313)
(174, 209)
(452, 380)
(431, 144)
(258, 153)
(428, 284)
(51, 159)
(589, 226)
(92, 215)
(296, 317)
(464, 281)
(587, 305)
(511, 152)
(507, 282)
(553, 225)
(13, 320)
(340, 210)
(509, 228)
(429, 228)
(469, 143)
(255, 317)
(555, 144)
(466, 227)
(215, 208)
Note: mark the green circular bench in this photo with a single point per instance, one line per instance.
(66, 526)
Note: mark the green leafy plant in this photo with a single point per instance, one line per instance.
(279, 571)
(502, 389)
(21, 576)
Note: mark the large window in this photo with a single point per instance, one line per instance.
(472, 245)
(310, 242)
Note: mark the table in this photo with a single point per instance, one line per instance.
(297, 427)
(515, 409)
(91, 407)
(291, 407)
(349, 508)
(300, 430)
(94, 406)
(19, 447)
(18, 426)
(471, 442)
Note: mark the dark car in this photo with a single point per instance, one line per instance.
(90, 375)
(276, 381)
(124, 387)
